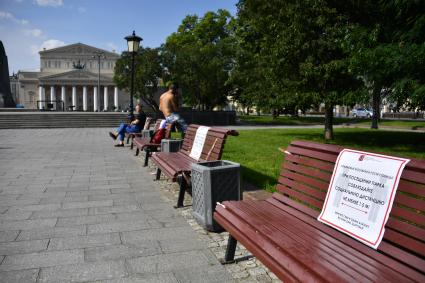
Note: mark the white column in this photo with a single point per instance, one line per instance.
(63, 96)
(116, 98)
(386, 108)
(337, 111)
(53, 96)
(74, 97)
(40, 97)
(84, 98)
(95, 98)
(105, 98)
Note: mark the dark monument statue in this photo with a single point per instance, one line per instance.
(5, 92)
(78, 66)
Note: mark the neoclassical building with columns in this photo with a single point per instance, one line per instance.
(68, 80)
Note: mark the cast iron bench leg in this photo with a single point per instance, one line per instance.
(229, 257)
(137, 151)
(131, 144)
(158, 174)
(182, 183)
(128, 139)
(147, 154)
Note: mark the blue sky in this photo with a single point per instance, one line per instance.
(26, 26)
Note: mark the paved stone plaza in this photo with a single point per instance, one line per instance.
(73, 208)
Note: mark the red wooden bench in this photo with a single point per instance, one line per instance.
(177, 165)
(284, 234)
(149, 147)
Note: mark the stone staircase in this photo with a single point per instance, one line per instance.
(34, 120)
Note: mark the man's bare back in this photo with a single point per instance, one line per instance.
(167, 103)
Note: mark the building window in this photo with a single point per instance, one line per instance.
(49, 64)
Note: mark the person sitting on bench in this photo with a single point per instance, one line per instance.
(135, 126)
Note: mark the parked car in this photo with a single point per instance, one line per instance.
(361, 112)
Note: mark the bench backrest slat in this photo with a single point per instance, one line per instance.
(305, 178)
(214, 142)
(325, 166)
(414, 231)
(406, 241)
(293, 193)
(410, 188)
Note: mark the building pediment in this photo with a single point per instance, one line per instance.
(77, 76)
(77, 49)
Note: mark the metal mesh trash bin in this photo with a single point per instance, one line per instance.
(168, 145)
(212, 182)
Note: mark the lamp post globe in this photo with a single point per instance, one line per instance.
(133, 44)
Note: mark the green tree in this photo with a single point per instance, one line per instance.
(300, 52)
(387, 50)
(200, 57)
(147, 76)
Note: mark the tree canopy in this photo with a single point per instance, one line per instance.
(285, 56)
(147, 76)
(200, 57)
(298, 50)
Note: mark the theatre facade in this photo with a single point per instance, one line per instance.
(68, 80)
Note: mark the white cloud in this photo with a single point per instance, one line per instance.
(11, 17)
(52, 3)
(48, 44)
(82, 10)
(6, 15)
(51, 43)
(35, 32)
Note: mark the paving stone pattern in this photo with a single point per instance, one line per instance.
(75, 209)
(248, 270)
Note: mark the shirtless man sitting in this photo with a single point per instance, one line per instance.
(169, 106)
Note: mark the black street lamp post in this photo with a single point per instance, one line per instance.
(133, 43)
(99, 55)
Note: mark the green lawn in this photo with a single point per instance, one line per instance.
(290, 121)
(402, 124)
(293, 121)
(257, 150)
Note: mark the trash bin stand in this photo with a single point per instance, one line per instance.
(212, 182)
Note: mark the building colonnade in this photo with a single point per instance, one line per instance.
(76, 103)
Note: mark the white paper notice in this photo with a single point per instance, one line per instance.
(198, 143)
(361, 194)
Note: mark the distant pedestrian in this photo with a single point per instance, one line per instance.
(168, 104)
(136, 125)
